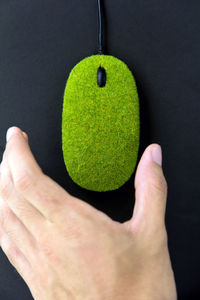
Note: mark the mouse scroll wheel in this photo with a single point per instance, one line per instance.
(101, 77)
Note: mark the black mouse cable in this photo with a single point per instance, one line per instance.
(101, 72)
(100, 34)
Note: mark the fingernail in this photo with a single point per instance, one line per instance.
(157, 154)
(24, 134)
(10, 132)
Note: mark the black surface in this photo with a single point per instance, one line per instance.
(41, 41)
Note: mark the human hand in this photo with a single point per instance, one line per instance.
(66, 249)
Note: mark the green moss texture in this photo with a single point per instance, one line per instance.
(100, 125)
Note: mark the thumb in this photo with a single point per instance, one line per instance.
(150, 190)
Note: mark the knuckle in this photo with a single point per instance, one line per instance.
(12, 255)
(8, 249)
(159, 184)
(23, 181)
(46, 249)
(5, 214)
(9, 253)
(43, 239)
(23, 212)
(5, 188)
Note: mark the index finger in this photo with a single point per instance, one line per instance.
(30, 181)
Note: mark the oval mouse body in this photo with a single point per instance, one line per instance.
(100, 125)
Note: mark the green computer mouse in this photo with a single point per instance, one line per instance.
(100, 123)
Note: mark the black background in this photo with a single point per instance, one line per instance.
(41, 41)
